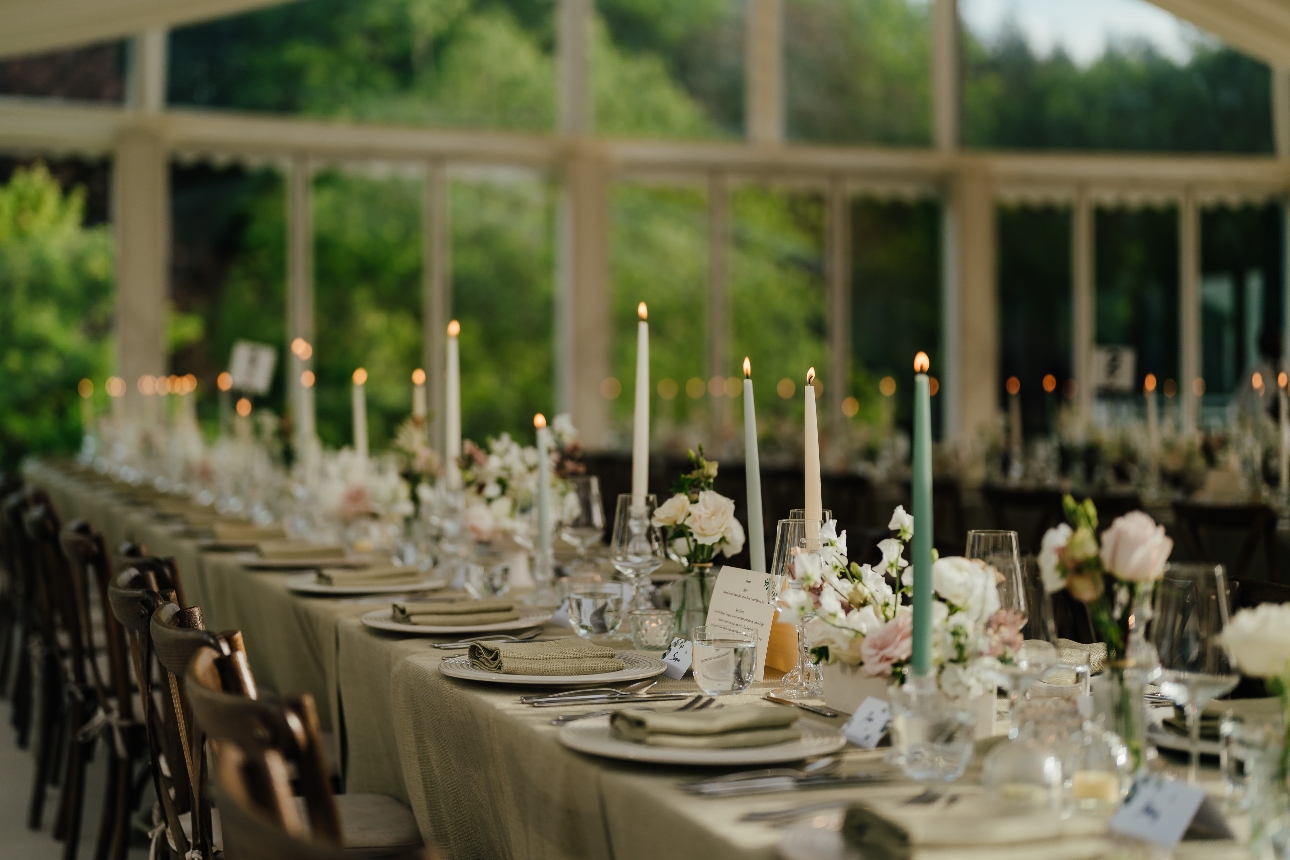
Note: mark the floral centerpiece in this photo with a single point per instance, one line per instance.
(500, 482)
(697, 523)
(419, 463)
(863, 615)
(1115, 579)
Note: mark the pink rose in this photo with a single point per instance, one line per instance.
(891, 643)
(1135, 549)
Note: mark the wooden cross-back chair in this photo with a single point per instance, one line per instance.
(26, 624)
(72, 690)
(177, 635)
(1196, 522)
(10, 594)
(255, 745)
(91, 569)
(134, 596)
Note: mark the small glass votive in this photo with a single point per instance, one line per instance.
(652, 629)
(1248, 757)
(931, 733)
(725, 663)
(1098, 770)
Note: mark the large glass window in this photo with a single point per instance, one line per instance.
(895, 305)
(1137, 295)
(659, 252)
(473, 63)
(503, 293)
(779, 305)
(94, 73)
(1035, 309)
(857, 71)
(669, 68)
(1106, 74)
(1240, 293)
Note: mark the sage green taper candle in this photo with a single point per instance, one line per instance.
(922, 656)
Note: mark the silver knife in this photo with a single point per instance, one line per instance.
(814, 709)
(608, 700)
(773, 784)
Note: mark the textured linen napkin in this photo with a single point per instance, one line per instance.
(461, 613)
(877, 837)
(557, 657)
(748, 726)
(387, 575)
(247, 532)
(291, 550)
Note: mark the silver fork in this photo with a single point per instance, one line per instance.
(461, 644)
(698, 703)
(640, 688)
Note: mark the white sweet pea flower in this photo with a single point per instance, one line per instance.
(793, 605)
(902, 524)
(808, 568)
(1054, 539)
(892, 560)
(830, 607)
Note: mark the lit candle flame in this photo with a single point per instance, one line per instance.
(307, 379)
(1257, 380)
(922, 363)
(1149, 384)
(810, 376)
(539, 421)
(224, 381)
(85, 388)
(454, 328)
(115, 386)
(642, 311)
(244, 407)
(747, 368)
(360, 376)
(418, 377)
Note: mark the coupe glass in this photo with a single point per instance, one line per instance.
(804, 681)
(1189, 616)
(636, 548)
(587, 526)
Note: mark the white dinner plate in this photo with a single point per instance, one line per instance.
(255, 561)
(307, 583)
(592, 736)
(638, 666)
(531, 616)
(1163, 737)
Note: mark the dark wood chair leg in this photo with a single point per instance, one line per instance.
(111, 803)
(126, 802)
(8, 626)
(20, 716)
(74, 797)
(46, 730)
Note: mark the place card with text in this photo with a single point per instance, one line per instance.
(1161, 810)
(744, 600)
(868, 724)
(677, 658)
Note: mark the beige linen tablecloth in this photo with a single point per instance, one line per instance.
(485, 776)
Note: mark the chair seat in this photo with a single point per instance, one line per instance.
(374, 825)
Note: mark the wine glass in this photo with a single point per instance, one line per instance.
(999, 550)
(804, 681)
(586, 527)
(1189, 615)
(636, 548)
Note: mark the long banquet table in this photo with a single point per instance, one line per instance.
(485, 776)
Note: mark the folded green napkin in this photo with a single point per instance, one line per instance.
(339, 577)
(738, 726)
(247, 532)
(459, 613)
(476, 619)
(292, 550)
(557, 657)
(873, 836)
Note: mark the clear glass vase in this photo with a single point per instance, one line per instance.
(1120, 695)
(691, 597)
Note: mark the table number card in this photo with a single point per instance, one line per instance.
(1160, 811)
(745, 600)
(676, 661)
(868, 724)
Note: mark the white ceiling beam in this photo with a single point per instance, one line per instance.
(33, 26)
(1260, 28)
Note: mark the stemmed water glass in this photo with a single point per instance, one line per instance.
(636, 548)
(804, 681)
(1190, 613)
(586, 527)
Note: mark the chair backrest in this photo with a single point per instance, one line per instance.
(1197, 525)
(62, 601)
(91, 571)
(255, 741)
(177, 635)
(1028, 511)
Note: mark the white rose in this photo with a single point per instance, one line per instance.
(732, 540)
(901, 523)
(709, 517)
(843, 643)
(1054, 540)
(672, 512)
(966, 583)
(1258, 640)
(1134, 548)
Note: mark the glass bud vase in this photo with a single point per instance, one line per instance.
(1120, 697)
(691, 596)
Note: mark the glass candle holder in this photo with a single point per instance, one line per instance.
(931, 733)
(652, 629)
